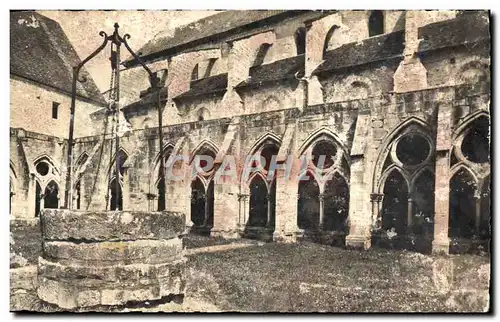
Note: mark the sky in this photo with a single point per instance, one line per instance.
(82, 29)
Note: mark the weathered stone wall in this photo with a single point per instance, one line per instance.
(31, 109)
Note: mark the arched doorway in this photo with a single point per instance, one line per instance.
(308, 203)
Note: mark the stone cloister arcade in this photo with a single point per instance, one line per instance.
(402, 195)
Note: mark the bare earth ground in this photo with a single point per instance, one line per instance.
(257, 277)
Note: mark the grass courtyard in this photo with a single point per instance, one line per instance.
(307, 277)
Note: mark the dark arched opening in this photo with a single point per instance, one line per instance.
(261, 54)
(258, 203)
(423, 205)
(198, 203)
(475, 145)
(328, 37)
(38, 199)
(268, 152)
(272, 204)
(462, 205)
(161, 194)
(336, 205)
(376, 23)
(78, 192)
(308, 203)
(300, 40)
(161, 186)
(116, 200)
(210, 205)
(51, 196)
(395, 203)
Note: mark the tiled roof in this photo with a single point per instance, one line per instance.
(208, 85)
(206, 27)
(275, 71)
(469, 28)
(40, 51)
(370, 50)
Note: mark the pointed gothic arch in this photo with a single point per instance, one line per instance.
(266, 137)
(318, 134)
(411, 124)
(328, 37)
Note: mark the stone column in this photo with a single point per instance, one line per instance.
(125, 190)
(286, 207)
(321, 211)
(42, 201)
(268, 199)
(31, 196)
(205, 219)
(359, 208)
(478, 212)
(376, 200)
(441, 242)
(243, 201)
(410, 217)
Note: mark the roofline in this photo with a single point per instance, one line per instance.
(174, 50)
(57, 89)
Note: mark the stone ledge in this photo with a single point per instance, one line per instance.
(90, 275)
(116, 252)
(63, 224)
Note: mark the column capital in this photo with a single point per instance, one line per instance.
(376, 197)
(321, 197)
(242, 197)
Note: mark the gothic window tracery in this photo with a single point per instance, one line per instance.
(47, 184)
(406, 185)
(115, 194)
(261, 185)
(323, 187)
(202, 187)
(470, 211)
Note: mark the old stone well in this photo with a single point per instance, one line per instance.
(97, 260)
